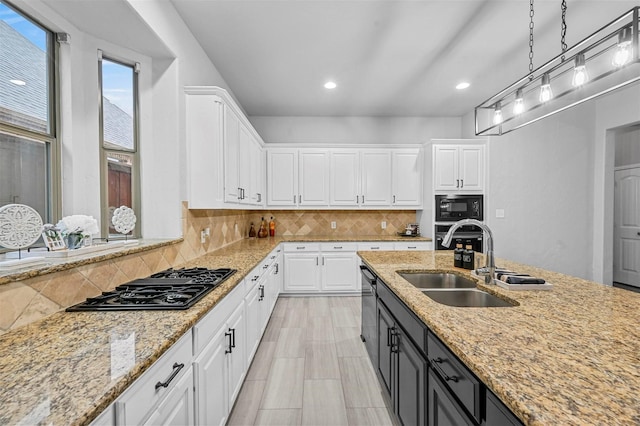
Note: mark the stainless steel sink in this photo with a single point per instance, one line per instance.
(471, 298)
(437, 280)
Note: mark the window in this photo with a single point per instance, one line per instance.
(29, 171)
(118, 140)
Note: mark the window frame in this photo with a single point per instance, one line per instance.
(104, 152)
(50, 139)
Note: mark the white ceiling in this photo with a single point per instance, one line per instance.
(389, 58)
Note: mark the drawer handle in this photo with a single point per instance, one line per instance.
(176, 369)
(412, 247)
(337, 248)
(261, 297)
(435, 363)
(265, 266)
(255, 277)
(228, 351)
(375, 248)
(300, 248)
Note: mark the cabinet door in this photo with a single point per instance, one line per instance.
(445, 168)
(376, 178)
(443, 410)
(340, 272)
(301, 272)
(282, 177)
(258, 176)
(236, 359)
(252, 320)
(231, 156)
(177, 408)
(344, 180)
(385, 359)
(313, 183)
(205, 133)
(407, 178)
(211, 382)
(471, 170)
(245, 165)
(411, 382)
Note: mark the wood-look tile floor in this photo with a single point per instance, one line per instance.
(311, 368)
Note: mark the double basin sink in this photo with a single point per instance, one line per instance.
(453, 290)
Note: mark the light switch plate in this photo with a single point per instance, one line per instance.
(500, 213)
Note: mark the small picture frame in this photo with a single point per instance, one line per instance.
(52, 238)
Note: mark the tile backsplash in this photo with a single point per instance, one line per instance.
(26, 301)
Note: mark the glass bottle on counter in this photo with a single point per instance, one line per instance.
(272, 227)
(262, 232)
(252, 231)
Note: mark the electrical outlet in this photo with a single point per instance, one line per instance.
(207, 231)
(384, 224)
(333, 225)
(203, 237)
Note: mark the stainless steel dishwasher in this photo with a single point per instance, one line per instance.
(368, 331)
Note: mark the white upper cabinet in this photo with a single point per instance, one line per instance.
(344, 177)
(376, 178)
(458, 168)
(313, 177)
(224, 153)
(407, 178)
(282, 177)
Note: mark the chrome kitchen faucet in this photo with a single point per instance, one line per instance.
(489, 270)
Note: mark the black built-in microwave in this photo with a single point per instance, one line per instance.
(451, 208)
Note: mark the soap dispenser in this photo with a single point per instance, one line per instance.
(457, 255)
(468, 257)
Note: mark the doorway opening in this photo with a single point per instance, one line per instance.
(626, 223)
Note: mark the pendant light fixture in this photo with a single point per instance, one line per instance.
(545, 88)
(580, 75)
(497, 114)
(611, 56)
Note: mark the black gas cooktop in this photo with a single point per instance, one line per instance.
(167, 290)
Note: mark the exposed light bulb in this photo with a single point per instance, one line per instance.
(580, 75)
(497, 113)
(518, 106)
(624, 50)
(545, 89)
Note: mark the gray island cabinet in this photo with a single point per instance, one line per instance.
(425, 382)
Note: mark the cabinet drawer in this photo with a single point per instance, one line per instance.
(422, 245)
(148, 390)
(415, 328)
(208, 326)
(455, 375)
(375, 246)
(329, 247)
(292, 247)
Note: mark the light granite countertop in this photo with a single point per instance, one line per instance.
(60, 370)
(568, 356)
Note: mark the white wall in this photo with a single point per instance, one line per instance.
(355, 130)
(627, 149)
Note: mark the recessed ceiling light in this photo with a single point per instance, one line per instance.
(330, 85)
(18, 82)
(462, 85)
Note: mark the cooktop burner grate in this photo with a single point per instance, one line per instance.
(167, 290)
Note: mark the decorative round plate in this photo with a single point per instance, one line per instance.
(124, 219)
(20, 226)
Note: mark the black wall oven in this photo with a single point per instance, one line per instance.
(452, 208)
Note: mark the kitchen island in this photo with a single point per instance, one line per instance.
(566, 356)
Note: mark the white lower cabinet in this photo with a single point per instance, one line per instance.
(210, 378)
(177, 408)
(327, 267)
(152, 395)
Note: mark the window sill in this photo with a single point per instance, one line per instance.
(53, 265)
